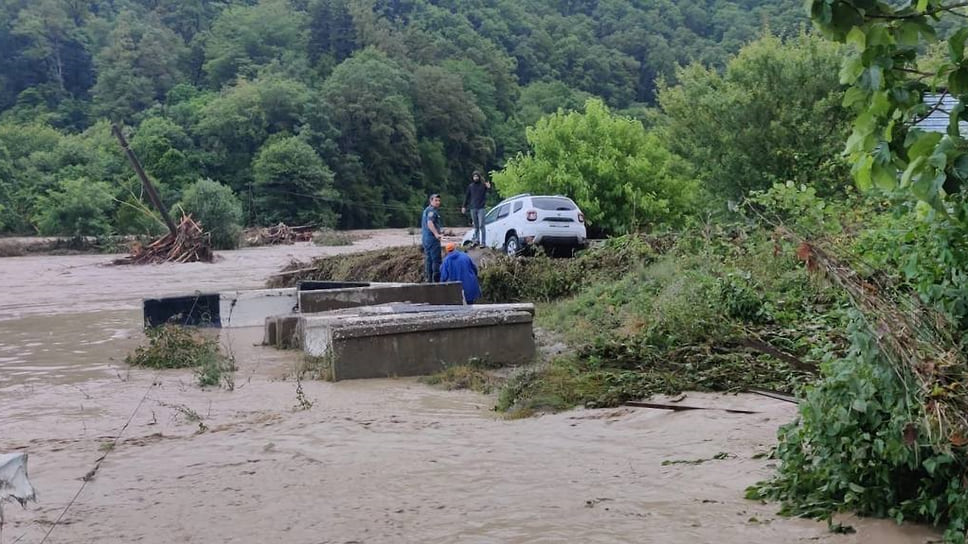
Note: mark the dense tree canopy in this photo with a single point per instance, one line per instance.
(773, 115)
(396, 99)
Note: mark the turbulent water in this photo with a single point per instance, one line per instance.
(368, 461)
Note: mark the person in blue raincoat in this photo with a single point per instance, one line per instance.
(457, 266)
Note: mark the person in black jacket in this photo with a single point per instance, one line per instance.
(475, 199)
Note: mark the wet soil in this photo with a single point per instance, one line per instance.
(369, 461)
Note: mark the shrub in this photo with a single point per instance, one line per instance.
(172, 346)
(76, 208)
(542, 278)
(216, 207)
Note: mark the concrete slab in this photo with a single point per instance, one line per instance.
(374, 345)
(250, 308)
(247, 308)
(282, 331)
(316, 301)
(199, 309)
(314, 285)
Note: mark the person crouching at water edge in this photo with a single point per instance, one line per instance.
(431, 234)
(458, 266)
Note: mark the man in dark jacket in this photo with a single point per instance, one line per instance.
(475, 198)
(458, 266)
(431, 232)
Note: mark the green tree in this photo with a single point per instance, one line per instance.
(217, 208)
(292, 184)
(620, 175)
(166, 151)
(773, 116)
(78, 207)
(54, 34)
(543, 97)
(369, 100)
(233, 126)
(136, 69)
(245, 37)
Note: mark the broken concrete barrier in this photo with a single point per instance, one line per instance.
(250, 308)
(370, 344)
(324, 300)
(282, 331)
(247, 308)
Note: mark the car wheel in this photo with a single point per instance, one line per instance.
(512, 246)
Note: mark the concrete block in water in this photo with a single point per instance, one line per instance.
(250, 308)
(368, 344)
(325, 300)
(282, 331)
(201, 309)
(247, 308)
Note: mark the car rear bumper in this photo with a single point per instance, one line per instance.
(557, 239)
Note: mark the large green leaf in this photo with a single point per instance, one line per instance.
(954, 130)
(851, 69)
(908, 33)
(956, 45)
(862, 172)
(914, 167)
(958, 80)
(960, 166)
(884, 176)
(927, 187)
(923, 144)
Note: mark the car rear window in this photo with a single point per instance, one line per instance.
(553, 203)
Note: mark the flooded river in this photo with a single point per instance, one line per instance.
(370, 461)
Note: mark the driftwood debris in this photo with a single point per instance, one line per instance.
(188, 244)
(278, 234)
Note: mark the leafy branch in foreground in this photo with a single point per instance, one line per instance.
(887, 87)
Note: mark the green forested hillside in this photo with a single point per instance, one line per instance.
(330, 111)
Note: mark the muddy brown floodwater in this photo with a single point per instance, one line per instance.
(370, 461)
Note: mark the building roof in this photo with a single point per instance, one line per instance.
(938, 120)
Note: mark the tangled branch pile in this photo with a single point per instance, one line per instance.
(278, 234)
(883, 433)
(398, 264)
(189, 244)
(915, 340)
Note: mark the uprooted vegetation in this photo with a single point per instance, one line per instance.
(403, 264)
(174, 346)
(714, 313)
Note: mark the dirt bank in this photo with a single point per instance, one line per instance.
(370, 461)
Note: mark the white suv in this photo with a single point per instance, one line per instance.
(525, 220)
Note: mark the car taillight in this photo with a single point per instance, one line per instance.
(532, 215)
(581, 217)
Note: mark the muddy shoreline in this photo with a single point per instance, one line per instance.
(369, 461)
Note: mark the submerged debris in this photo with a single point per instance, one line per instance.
(189, 244)
(278, 234)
